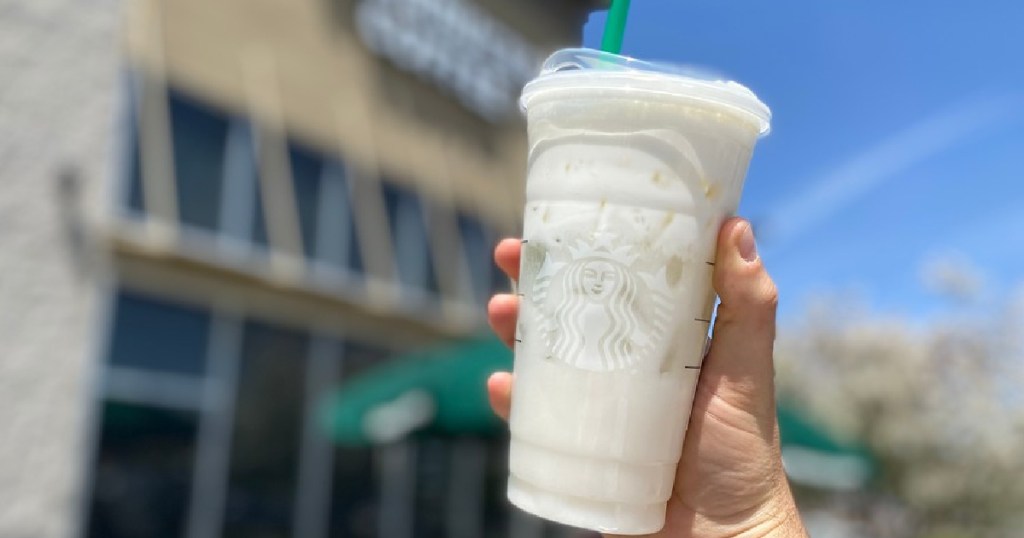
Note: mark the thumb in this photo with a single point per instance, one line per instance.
(739, 363)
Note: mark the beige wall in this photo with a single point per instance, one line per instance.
(298, 65)
(297, 62)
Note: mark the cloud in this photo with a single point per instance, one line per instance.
(953, 275)
(851, 180)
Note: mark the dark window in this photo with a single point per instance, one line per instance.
(354, 494)
(355, 252)
(338, 243)
(199, 139)
(477, 252)
(357, 358)
(242, 216)
(143, 472)
(267, 432)
(133, 191)
(259, 221)
(496, 505)
(409, 237)
(306, 169)
(151, 334)
(414, 226)
(354, 508)
(432, 487)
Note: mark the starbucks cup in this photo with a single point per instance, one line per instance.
(632, 168)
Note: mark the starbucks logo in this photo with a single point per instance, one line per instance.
(598, 311)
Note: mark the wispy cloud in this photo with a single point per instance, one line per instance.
(858, 176)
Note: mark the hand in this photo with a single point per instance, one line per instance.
(730, 481)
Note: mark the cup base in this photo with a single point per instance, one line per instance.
(601, 516)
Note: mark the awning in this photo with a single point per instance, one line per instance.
(815, 458)
(441, 390)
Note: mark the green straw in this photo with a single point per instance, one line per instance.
(615, 26)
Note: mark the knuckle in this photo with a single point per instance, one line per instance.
(768, 295)
(743, 292)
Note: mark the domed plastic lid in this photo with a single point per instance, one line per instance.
(575, 69)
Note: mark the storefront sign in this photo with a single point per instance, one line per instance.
(454, 44)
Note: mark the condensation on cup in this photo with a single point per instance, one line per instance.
(632, 169)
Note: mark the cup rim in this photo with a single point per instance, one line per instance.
(576, 69)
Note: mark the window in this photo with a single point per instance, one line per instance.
(306, 169)
(477, 252)
(409, 237)
(259, 221)
(354, 495)
(154, 335)
(478, 242)
(250, 438)
(269, 410)
(354, 507)
(433, 467)
(219, 186)
(133, 159)
(199, 139)
(496, 506)
(142, 479)
(337, 243)
(242, 210)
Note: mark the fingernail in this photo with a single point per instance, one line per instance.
(746, 243)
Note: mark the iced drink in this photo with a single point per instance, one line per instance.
(632, 169)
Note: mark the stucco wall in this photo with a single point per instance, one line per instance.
(58, 79)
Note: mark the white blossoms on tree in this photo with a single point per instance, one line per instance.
(939, 405)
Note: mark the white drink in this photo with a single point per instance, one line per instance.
(630, 175)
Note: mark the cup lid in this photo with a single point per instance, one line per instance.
(594, 69)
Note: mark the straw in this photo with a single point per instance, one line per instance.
(615, 26)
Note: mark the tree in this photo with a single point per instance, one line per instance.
(938, 404)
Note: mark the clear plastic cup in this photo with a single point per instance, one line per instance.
(633, 167)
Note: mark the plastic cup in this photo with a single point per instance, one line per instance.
(632, 169)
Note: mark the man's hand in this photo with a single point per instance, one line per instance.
(730, 481)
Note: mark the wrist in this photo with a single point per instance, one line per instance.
(775, 517)
(778, 519)
(785, 524)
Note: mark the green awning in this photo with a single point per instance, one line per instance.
(815, 458)
(443, 390)
(440, 390)
(795, 429)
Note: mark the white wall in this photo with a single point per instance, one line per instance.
(59, 74)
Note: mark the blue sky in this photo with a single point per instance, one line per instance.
(898, 135)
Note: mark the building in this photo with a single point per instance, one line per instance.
(212, 213)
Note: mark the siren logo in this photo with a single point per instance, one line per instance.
(598, 311)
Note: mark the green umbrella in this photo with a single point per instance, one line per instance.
(440, 390)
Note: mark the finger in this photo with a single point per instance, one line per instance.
(499, 392)
(739, 361)
(506, 255)
(502, 311)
